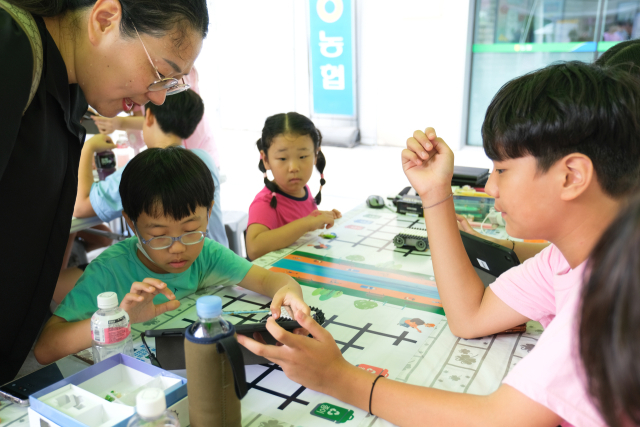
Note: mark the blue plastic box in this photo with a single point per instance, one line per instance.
(80, 400)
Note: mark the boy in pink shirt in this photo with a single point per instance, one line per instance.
(565, 142)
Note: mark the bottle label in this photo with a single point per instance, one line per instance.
(117, 330)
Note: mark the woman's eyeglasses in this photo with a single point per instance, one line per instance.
(170, 84)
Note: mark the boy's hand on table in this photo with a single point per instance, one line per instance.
(98, 143)
(139, 302)
(289, 295)
(428, 164)
(311, 362)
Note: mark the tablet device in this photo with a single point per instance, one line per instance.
(491, 257)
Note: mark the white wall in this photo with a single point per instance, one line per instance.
(411, 65)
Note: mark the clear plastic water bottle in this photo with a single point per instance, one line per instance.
(210, 322)
(110, 329)
(151, 410)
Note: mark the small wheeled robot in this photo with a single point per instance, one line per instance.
(413, 238)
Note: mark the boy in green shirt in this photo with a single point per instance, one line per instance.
(167, 195)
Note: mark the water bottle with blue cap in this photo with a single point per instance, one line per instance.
(210, 322)
(215, 368)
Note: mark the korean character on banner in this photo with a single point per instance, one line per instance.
(336, 43)
(332, 77)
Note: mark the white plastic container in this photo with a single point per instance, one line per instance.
(151, 410)
(110, 329)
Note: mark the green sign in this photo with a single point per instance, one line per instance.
(332, 413)
(542, 47)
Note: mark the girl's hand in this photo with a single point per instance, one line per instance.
(428, 164)
(311, 362)
(107, 125)
(289, 295)
(139, 302)
(336, 213)
(98, 143)
(322, 219)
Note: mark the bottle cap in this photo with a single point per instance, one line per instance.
(107, 300)
(151, 403)
(209, 307)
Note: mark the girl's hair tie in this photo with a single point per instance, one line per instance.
(264, 174)
(273, 194)
(322, 175)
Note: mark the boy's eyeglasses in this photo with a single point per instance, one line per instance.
(170, 84)
(164, 242)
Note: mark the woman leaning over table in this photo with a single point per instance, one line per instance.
(107, 53)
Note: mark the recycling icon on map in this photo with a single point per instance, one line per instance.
(332, 413)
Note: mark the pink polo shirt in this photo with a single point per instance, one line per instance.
(546, 289)
(289, 208)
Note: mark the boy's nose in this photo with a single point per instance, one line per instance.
(490, 187)
(177, 247)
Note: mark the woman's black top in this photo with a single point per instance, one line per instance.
(39, 156)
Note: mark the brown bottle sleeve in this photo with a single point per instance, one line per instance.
(210, 386)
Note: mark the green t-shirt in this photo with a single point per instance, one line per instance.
(118, 267)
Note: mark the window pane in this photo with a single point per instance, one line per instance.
(622, 21)
(514, 37)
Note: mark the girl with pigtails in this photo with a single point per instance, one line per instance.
(285, 210)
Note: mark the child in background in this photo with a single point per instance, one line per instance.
(284, 210)
(167, 195)
(565, 143)
(164, 126)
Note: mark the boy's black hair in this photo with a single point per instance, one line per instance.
(624, 52)
(566, 108)
(295, 124)
(180, 113)
(168, 181)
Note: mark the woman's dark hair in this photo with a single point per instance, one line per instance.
(168, 181)
(610, 320)
(294, 124)
(154, 17)
(180, 113)
(566, 108)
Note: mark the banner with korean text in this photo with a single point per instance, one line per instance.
(331, 24)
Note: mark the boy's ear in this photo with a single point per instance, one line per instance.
(129, 222)
(149, 118)
(578, 175)
(104, 19)
(265, 162)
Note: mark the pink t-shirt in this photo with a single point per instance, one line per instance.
(546, 289)
(288, 209)
(202, 137)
